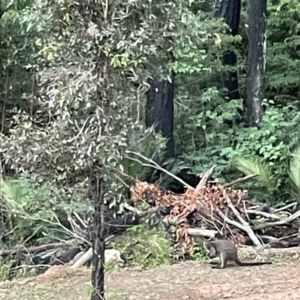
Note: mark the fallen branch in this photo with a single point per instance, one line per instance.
(229, 221)
(246, 226)
(83, 259)
(109, 256)
(226, 185)
(36, 249)
(285, 207)
(261, 213)
(202, 232)
(277, 223)
(158, 167)
(204, 178)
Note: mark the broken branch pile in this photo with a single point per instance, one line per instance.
(214, 210)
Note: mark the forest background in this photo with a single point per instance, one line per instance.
(88, 90)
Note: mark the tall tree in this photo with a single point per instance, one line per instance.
(256, 60)
(160, 99)
(230, 10)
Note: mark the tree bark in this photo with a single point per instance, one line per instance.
(160, 110)
(230, 10)
(256, 61)
(160, 96)
(98, 243)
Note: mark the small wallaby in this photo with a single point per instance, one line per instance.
(226, 251)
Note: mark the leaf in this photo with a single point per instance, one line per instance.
(254, 166)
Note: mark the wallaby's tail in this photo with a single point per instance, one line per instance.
(253, 263)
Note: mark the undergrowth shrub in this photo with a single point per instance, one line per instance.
(144, 247)
(33, 214)
(277, 185)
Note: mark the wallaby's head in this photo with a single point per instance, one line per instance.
(210, 249)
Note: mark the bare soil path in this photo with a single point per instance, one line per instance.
(184, 281)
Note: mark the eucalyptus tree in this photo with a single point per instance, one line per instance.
(92, 61)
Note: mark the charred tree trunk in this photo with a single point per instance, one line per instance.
(256, 60)
(160, 111)
(98, 241)
(230, 10)
(160, 97)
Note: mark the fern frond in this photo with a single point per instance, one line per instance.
(250, 166)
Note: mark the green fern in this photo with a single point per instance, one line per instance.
(250, 166)
(15, 193)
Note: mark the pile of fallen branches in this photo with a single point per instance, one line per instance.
(214, 210)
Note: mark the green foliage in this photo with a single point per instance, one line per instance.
(4, 270)
(294, 173)
(222, 142)
(144, 247)
(151, 146)
(19, 272)
(283, 58)
(18, 206)
(272, 180)
(33, 213)
(209, 130)
(250, 166)
(200, 254)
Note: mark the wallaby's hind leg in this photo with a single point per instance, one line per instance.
(223, 262)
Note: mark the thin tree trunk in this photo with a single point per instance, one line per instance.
(98, 243)
(256, 61)
(230, 10)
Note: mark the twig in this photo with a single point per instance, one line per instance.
(264, 214)
(239, 180)
(158, 167)
(244, 204)
(80, 220)
(139, 212)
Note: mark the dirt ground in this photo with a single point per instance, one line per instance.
(187, 280)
